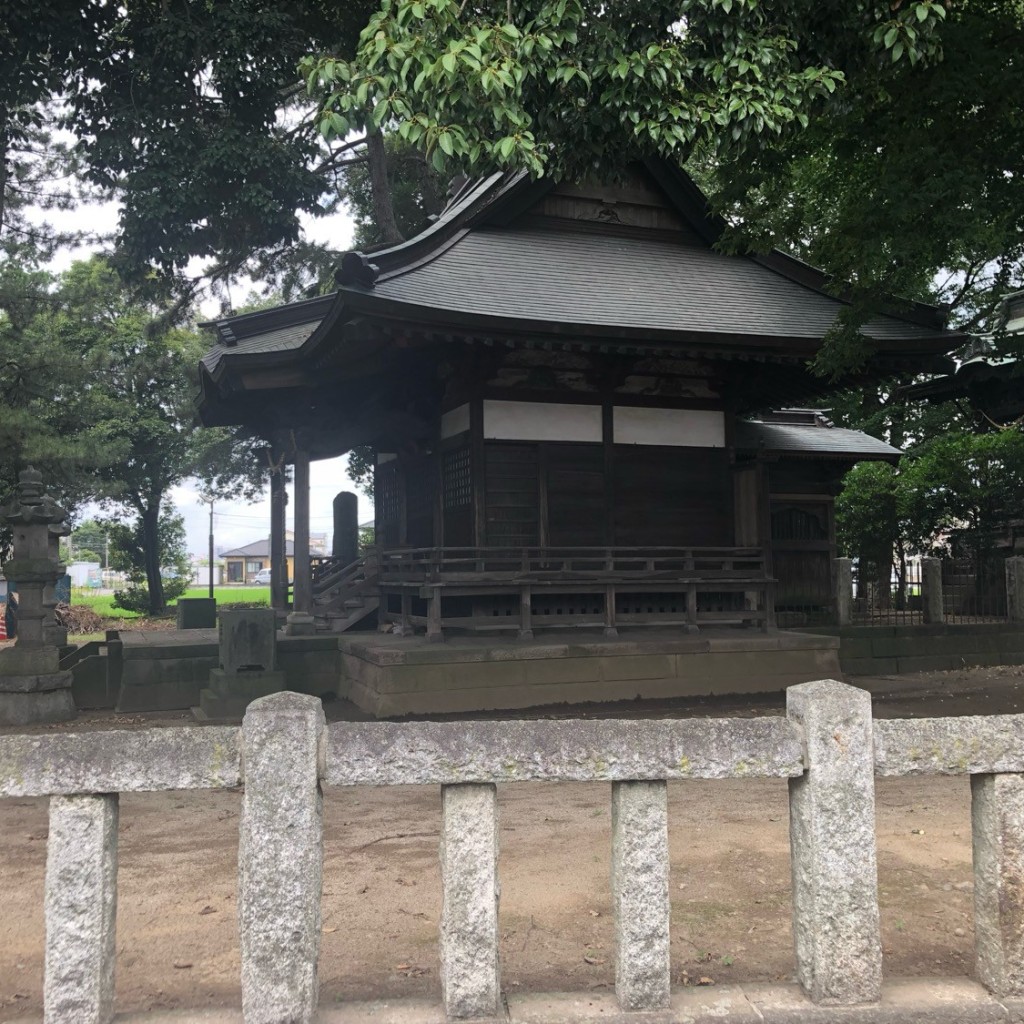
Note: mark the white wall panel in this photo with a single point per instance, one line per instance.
(683, 428)
(541, 421)
(455, 421)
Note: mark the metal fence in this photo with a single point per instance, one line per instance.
(974, 588)
(887, 595)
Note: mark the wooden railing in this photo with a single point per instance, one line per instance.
(609, 576)
(443, 564)
(329, 572)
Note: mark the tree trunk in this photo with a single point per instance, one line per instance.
(380, 189)
(3, 169)
(151, 557)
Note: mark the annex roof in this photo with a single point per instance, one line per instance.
(812, 441)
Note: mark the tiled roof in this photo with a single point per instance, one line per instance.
(607, 280)
(284, 339)
(824, 442)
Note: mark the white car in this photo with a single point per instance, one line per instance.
(262, 578)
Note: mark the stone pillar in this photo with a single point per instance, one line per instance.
(280, 858)
(346, 527)
(842, 581)
(997, 818)
(832, 841)
(931, 589)
(1015, 589)
(32, 687)
(640, 894)
(470, 970)
(81, 909)
(278, 562)
(301, 618)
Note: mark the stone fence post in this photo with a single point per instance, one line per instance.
(81, 909)
(832, 839)
(997, 825)
(640, 868)
(470, 968)
(931, 590)
(280, 858)
(842, 581)
(1015, 589)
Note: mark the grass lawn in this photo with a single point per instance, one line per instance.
(103, 604)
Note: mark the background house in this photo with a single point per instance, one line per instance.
(242, 564)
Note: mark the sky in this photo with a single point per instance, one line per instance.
(234, 522)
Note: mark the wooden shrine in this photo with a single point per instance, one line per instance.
(568, 394)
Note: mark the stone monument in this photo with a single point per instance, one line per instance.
(32, 686)
(248, 665)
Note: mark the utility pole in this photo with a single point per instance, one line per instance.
(208, 500)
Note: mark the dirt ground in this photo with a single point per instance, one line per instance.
(176, 931)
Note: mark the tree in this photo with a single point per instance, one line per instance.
(881, 140)
(191, 113)
(913, 184)
(129, 555)
(126, 379)
(39, 387)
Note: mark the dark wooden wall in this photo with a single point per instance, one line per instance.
(558, 495)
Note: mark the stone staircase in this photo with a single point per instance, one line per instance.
(344, 596)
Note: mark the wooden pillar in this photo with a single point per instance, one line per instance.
(610, 629)
(435, 634)
(278, 562)
(301, 618)
(525, 613)
(478, 470)
(608, 443)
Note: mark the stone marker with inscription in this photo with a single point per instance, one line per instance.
(248, 665)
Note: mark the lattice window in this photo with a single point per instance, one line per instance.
(800, 523)
(458, 480)
(386, 493)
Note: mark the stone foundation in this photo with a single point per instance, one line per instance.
(389, 676)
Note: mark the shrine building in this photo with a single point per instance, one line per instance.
(581, 416)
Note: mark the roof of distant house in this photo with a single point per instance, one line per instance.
(258, 549)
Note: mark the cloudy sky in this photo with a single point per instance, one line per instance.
(234, 523)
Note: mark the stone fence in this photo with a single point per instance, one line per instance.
(827, 745)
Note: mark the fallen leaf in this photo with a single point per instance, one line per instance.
(593, 960)
(207, 910)
(595, 913)
(330, 929)
(181, 965)
(706, 981)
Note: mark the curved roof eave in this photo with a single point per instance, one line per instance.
(455, 322)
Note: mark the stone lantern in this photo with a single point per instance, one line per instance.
(32, 686)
